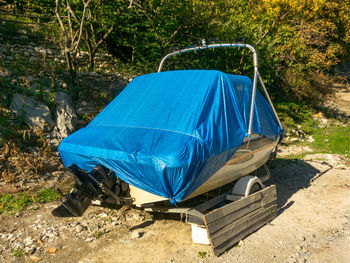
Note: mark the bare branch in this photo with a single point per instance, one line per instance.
(93, 33)
(144, 11)
(76, 45)
(57, 12)
(172, 36)
(72, 12)
(104, 37)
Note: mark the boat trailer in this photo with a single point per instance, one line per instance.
(221, 221)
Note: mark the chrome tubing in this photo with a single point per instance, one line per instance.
(255, 56)
(255, 63)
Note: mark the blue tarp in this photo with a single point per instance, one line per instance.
(168, 132)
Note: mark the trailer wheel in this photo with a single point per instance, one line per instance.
(247, 185)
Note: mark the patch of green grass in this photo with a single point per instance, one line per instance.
(17, 202)
(47, 195)
(18, 252)
(334, 139)
(202, 254)
(98, 234)
(293, 114)
(10, 202)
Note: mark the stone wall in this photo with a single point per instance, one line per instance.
(26, 61)
(35, 78)
(10, 52)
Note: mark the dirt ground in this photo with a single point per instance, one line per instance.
(343, 99)
(313, 225)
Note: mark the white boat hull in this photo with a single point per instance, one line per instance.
(249, 157)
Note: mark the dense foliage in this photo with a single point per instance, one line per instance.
(299, 41)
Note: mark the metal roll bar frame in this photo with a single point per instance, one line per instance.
(255, 79)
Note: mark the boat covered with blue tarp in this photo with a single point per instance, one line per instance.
(168, 132)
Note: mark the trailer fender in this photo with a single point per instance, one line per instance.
(247, 185)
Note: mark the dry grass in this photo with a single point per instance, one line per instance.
(27, 155)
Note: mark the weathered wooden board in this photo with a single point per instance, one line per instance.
(211, 203)
(221, 212)
(248, 230)
(232, 222)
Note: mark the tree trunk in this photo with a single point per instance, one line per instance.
(90, 51)
(72, 71)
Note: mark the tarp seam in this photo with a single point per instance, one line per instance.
(157, 129)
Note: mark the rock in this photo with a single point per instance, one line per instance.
(241, 243)
(51, 250)
(79, 228)
(135, 234)
(36, 114)
(116, 86)
(33, 59)
(28, 241)
(22, 31)
(93, 74)
(340, 167)
(299, 248)
(35, 258)
(65, 116)
(294, 139)
(310, 139)
(5, 73)
(34, 87)
(102, 215)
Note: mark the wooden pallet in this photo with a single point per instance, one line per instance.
(236, 218)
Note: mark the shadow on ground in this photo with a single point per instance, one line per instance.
(290, 176)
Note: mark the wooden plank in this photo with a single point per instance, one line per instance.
(246, 224)
(230, 218)
(233, 197)
(211, 203)
(194, 216)
(229, 208)
(230, 242)
(234, 206)
(267, 200)
(239, 220)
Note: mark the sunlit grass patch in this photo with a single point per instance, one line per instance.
(17, 202)
(333, 139)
